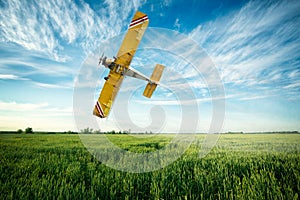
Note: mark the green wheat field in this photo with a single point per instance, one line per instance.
(240, 166)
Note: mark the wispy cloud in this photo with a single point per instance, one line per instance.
(292, 85)
(29, 66)
(255, 97)
(14, 115)
(50, 26)
(53, 86)
(177, 24)
(11, 110)
(255, 45)
(166, 2)
(11, 77)
(14, 106)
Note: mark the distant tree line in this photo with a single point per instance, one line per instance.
(88, 130)
(267, 132)
(29, 130)
(91, 131)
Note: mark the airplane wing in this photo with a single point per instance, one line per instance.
(132, 39)
(108, 94)
(126, 52)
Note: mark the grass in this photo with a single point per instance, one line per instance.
(240, 166)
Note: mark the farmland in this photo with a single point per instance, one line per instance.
(240, 166)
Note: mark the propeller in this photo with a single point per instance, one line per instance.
(100, 59)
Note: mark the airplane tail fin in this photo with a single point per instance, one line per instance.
(155, 77)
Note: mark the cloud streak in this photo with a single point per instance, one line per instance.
(16, 114)
(51, 26)
(256, 45)
(11, 77)
(14, 106)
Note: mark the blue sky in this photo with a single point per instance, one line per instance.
(254, 45)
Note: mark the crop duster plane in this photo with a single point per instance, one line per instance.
(119, 67)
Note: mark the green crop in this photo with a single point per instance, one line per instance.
(240, 166)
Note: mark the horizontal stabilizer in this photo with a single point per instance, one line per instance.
(157, 72)
(155, 77)
(149, 89)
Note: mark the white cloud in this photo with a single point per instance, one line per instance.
(177, 24)
(11, 77)
(14, 106)
(257, 122)
(166, 2)
(15, 115)
(31, 67)
(50, 26)
(292, 85)
(294, 73)
(252, 43)
(35, 108)
(249, 98)
(53, 86)
(38, 123)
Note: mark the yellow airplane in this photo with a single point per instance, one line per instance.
(119, 67)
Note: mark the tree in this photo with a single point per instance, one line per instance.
(86, 131)
(97, 131)
(19, 131)
(28, 130)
